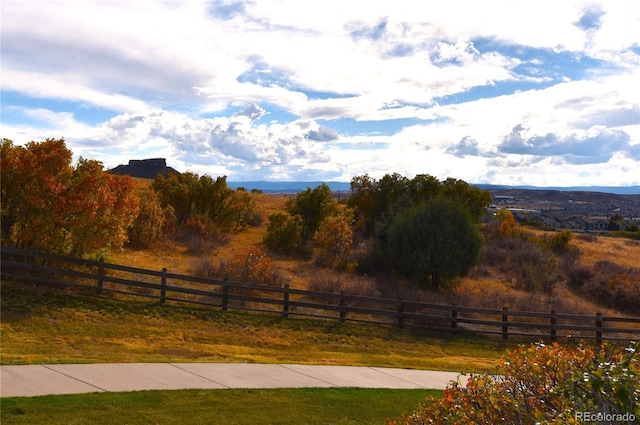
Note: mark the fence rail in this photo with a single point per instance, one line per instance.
(103, 277)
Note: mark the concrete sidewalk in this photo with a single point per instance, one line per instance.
(34, 380)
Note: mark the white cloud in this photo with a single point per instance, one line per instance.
(435, 87)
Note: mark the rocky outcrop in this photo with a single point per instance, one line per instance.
(145, 168)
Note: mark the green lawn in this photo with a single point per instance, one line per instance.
(228, 407)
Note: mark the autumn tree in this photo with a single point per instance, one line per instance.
(333, 239)
(363, 192)
(49, 205)
(153, 222)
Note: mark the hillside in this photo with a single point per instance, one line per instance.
(486, 286)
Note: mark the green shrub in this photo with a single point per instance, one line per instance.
(435, 242)
(284, 232)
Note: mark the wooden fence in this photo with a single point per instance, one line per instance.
(101, 277)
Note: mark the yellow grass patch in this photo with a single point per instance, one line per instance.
(624, 252)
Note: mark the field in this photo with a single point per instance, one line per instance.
(493, 285)
(50, 326)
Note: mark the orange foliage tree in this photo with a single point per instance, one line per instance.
(51, 206)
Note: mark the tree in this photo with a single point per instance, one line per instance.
(434, 241)
(473, 198)
(313, 206)
(363, 192)
(51, 206)
(96, 210)
(614, 222)
(153, 221)
(377, 202)
(202, 202)
(333, 239)
(284, 232)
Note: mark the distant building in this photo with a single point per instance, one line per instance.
(145, 168)
(502, 199)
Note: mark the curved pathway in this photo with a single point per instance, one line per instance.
(34, 380)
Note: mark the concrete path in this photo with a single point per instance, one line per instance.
(34, 380)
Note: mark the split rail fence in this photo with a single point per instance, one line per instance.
(101, 277)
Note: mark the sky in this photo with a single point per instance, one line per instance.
(542, 93)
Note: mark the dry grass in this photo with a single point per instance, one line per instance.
(624, 252)
(486, 287)
(52, 326)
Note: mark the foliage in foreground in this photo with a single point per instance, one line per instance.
(545, 385)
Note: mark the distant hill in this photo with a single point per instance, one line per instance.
(149, 168)
(288, 187)
(618, 190)
(144, 168)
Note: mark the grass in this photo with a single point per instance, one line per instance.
(230, 407)
(55, 326)
(624, 252)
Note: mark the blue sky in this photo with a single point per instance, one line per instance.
(539, 93)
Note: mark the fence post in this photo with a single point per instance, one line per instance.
(505, 322)
(100, 276)
(599, 328)
(163, 286)
(401, 314)
(285, 311)
(31, 259)
(554, 323)
(454, 316)
(225, 294)
(343, 305)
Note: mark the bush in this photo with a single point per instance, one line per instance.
(558, 242)
(436, 242)
(312, 206)
(153, 222)
(523, 261)
(333, 240)
(540, 384)
(250, 266)
(614, 286)
(284, 233)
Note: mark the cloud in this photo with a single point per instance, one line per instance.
(227, 9)
(596, 145)
(591, 19)
(467, 146)
(461, 52)
(280, 88)
(323, 134)
(252, 111)
(358, 30)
